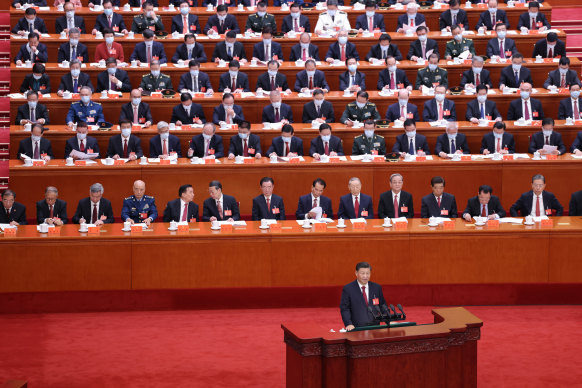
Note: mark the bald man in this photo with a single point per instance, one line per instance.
(139, 207)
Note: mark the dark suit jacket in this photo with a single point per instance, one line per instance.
(489, 143)
(402, 143)
(468, 77)
(386, 205)
(61, 24)
(264, 81)
(67, 82)
(139, 52)
(238, 50)
(242, 82)
(541, 48)
(260, 210)
(523, 205)
(236, 145)
(203, 82)
(378, 22)
(384, 79)
(473, 110)
(335, 53)
(172, 211)
(103, 81)
(537, 142)
(302, 80)
(310, 112)
(173, 146)
(485, 19)
(515, 112)
(317, 147)
(312, 51)
(577, 144)
(64, 52)
(193, 24)
(40, 112)
(416, 48)
(508, 45)
(259, 51)
(565, 108)
(507, 77)
(17, 213)
(346, 207)
(209, 209)
(23, 25)
(197, 53)
(430, 111)
(25, 147)
(214, 2)
(524, 20)
(393, 112)
(43, 85)
(73, 144)
(376, 52)
(403, 19)
(23, 54)
(115, 146)
(230, 23)
(555, 78)
(446, 19)
(278, 146)
(493, 207)
(85, 210)
(143, 112)
(443, 144)
(285, 112)
(575, 204)
(353, 306)
(116, 21)
(288, 23)
(430, 206)
(344, 79)
(43, 212)
(197, 145)
(219, 114)
(179, 114)
(306, 204)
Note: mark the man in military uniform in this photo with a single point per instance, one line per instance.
(261, 19)
(361, 110)
(147, 19)
(155, 81)
(459, 44)
(85, 110)
(139, 207)
(432, 75)
(332, 18)
(369, 142)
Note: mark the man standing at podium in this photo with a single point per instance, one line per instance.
(357, 296)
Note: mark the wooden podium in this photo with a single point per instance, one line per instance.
(443, 354)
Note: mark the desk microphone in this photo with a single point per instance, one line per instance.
(393, 309)
(402, 311)
(386, 312)
(374, 313)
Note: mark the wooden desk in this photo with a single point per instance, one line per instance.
(253, 106)
(390, 16)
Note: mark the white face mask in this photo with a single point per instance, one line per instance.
(70, 14)
(318, 102)
(37, 77)
(547, 133)
(243, 136)
(452, 137)
(310, 73)
(412, 15)
(32, 104)
(524, 95)
(454, 11)
(392, 68)
(575, 94)
(477, 70)
(325, 138)
(108, 11)
(360, 104)
(135, 101)
(331, 12)
(85, 99)
(75, 72)
(261, 13)
(184, 10)
(125, 132)
(35, 138)
(81, 136)
(352, 68)
(501, 34)
(411, 134)
(305, 46)
(422, 38)
(74, 42)
(492, 10)
(165, 136)
(149, 43)
(440, 97)
(563, 71)
(149, 14)
(295, 15)
(498, 135)
(111, 70)
(266, 41)
(155, 73)
(432, 66)
(194, 73)
(233, 73)
(272, 73)
(369, 133)
(402, 102)
(482, 98)
(221, 17)
(342, 40)
(515, 67)
(458, 37)
(109, 40)
(190, 46)
(186, 107)
(370, 14)
(276, 104)
(533, 15)
(287, 139)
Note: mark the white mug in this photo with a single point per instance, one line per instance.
(341, 222)
(27, 127)
(173, 225)
(130, 34)
(28, 162)
(239, 159)
(109, 161)
(133, 63)
(144, 160)
(43, 228)
(84, 227)
(253, 62)
(529, 219)
(273, 158)
(127, 225)
(306, 223)
(70, 161)
(324, 158)
(215, 224)
(263, 222)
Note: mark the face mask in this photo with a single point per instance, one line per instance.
(331, 12)
(533, 15)
(477, 70)
(411, 134)
(261, 13)
(125, 132)
(109, 40)
(525, 95)
(190, 46)
(439, 97)
(305, 46)
(370, 14)
(155, 73)
(360, 104)
(546, 132)
(229, 45)
(186, 106)
(184, 10)
(31, 21)
(272, 73)
(482, 98)
(342, 39)
(81, 136)
(35, 138)
(222, 17)
(111, 70)
(276, 104)
(295, 15)
(501, 34)
(233, 73)
(70, 14)
(369, 132)
(515, 67)
(422, 38)
(432, 67)
(492, 10)
(325, 137)
(287, 139)
(320, 102)
(149, 14)
(310, 73)
(575, 94)
(37, 77)
(563, 71)
(227, 107)
(392, 68)
(352, 68)
(32, 104)
(402, 102)
(243, 136)
(551, 45)
(206, 137)
(454, 11)
(498, 135)
(458, 37)
(452, 137)
(136, 101)
(165, 136)
(412, 15)
(194, 73)
(74, 42)
(108, 11)
(85, 99)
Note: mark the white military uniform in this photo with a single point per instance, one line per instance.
(325, 23)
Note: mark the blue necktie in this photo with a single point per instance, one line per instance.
(411, 147)
(75, 86)
(517, 79)
(453, 148)
(482, 112)
(74, 53)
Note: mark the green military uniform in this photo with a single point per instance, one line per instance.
(454, 48)
(141, 23)
(354, 113)
(428, 77)
(257, 23)
(365, 145)
(153, 84)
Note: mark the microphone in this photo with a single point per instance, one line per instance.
(378, 311)
(386, 312)
(402, 311)
(393, 309)
(373, 312)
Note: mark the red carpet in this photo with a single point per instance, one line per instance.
(533, 346)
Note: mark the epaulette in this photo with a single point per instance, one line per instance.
(370, 103)
(145, 75)
(76, 103)
(468, 39)
(340, 12)
(95, 102)
(352, 104)
(379, 136)
(359, 136)
(451, 41)
(269, 14)
(128, 197)
(148, 196)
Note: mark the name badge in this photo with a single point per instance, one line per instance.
(409, 116)
(548, 212)
(211, 151)
(275, 210)
(228, 213)
(153, 28)
(400, 86)
(374, 152)
(376, 301)
(535, 114)
(141, 120)
(444, 212)
(90, 119)
(447, 112)
(193, 27)
(115, 28)
(143, 215)
(113, 52)
(364, 213)
(404, 209)
(488, 117)
(251, 150)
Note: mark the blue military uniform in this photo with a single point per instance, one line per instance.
(91, 113)
(139, 210)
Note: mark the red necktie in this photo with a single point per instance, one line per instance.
(439, 202)
(185, 25)
(82, 147)
(526, 113)
(94, 216)
(563, 83)
(493, 20)
(233, 88)
(304, 55)
(326, 148)
(343, 53)
(440, 111)
(219, 206)
(392, 82)
(185, 213)
(135, 116)
(125, 148)
(36, 151)
(269, 205)
(277, 116)
(547, 140)
(576, 111)
(551, 53)
(411, 22)
(538, 207)
(533, 24)
(51, 208)
(310, 82)
(287, 149)
(357, 207)
(501, 51)
(314, 203)
(109, 18)
(370, 24)
(165, 148)
(402, 111)
(296, 27)
(8, 214)
(272, 83)
(498, 145)
(396, 207)
(364, 294)
(245, 148)
(483, 213)
(149, 54)
(477, 81)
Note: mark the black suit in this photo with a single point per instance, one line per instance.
(555, 78)
(296, 53)
(83, 80)
(180, 114)
(198, 53)
(443, 144)
(468, 77)
(430, 207)
(386, 205)
(430, 111)
(575, 204)
(577, 144)
(565, 109)
(310, 112)
(242, 82)
(24, 55)
(401, 79)
(117, 23)
(61, 24)
(416, 48)
(264, 81)
(238, 50)
(393, 112)
(288, 23)
(197, 145)
(515, 110)
(285, 113)
(143, 113)
(186, 82)
(25, 147)
(541, 48)
(278, 146)
(40, 112)
(276, 211)
(173, 145)
(490, 143)
(347, 209)
(302, 81)
(474, 110)
(172, 211)
(306, 204)
(507, 77)
(43, 212)
(230, 23)
(317, 146)
(42, 85)
(335, 52)
(376, 52)
(115, 146)
(259, 51)
(525, 21)
(493, 47)
(253, 145)
(344, 80)
(229, 204)
(353, 306)
(524, 204)
(403, 143)
(73, 144)
(121, 75)
(193, 24)
(446, 19)
(219, 114)
(485, 19)
(85, 210)
(538, 140)
(493, 207)
(17, 213)
(64, 53)
(24, 25)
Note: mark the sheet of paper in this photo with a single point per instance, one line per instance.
(550, 149)
(440, 220)
(82, 155)
(511, 220)
(361, 219)
(241, 223)
(465, 54)
(540, 218)
(576, 156)
(399, 219)
(4, 226)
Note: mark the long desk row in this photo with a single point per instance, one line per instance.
(539, 72)
(524, 43)
(417, 254)
(161, 108)
(390, 16)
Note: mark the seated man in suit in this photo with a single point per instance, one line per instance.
(286, 145)
(37, 81)
(411, 19)
(396, 202)
(228, 112)
(384, 49)
(516, 74)
(109, 19)
(182, 208)
(295, 21)
(410, 142)
(124, 145)
(32, 112)
(19, 4)
(402, 110)
(222, 22)
(392, 78)
(164, 144)
(272, 79)
(359, 110)
(315, 199)
(537, 202)
(267, 49)
(148, 51)
(13, 213)
(187, 112)
(33, 51)
(525, 106)
(30, 23)
(501, 46)
(186, 22)
(81, 142)
(342, 49)
(268, 205)
(109, 48)
(195, 80)
(113, 78)
(219, 207)
(369, 142)
(245, 143)
(277, 111)
(482, 108)
(563, 76)
(229, 49)
(485, 204)
(438, 203)
(370, 21)
(432, 74)
(355, 204)
(549, 47)
(309, 79)
(208, 144)
(533, 19)
(547, 136)
(570, 106)
(147, 20)
(155, 81)
(51, 210)
(454, 16)
(498, 141)
(492, 16)
(352, 79)
(325, 143)
(476, 75)
(85, 110)
(357, 295)
(439, 108)
(190, 50)
(451, 142)
(136, 111)
(36, 146)
(304, 50)
(69, 20)
(318, 110)
(234, 81)
(423, 46)
(73, 49)
(94, 209)
(575, 208)
(74, 80)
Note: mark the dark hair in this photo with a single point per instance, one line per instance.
(33, 35)
(273, 61)
(538, 176)
(455, 26)
(231, 34)
(500, 24)
(110, 60)
(485, 189)
(287, 128)
(499, 125)
(234, 63)
(348, 58)
(517, 55)
(437, 179)
(421, 28)
(547, 121)
(266, 179)
(363, 264)
(8, 192)
(454, 2)
(387, 58)
(147, 33)
(146, 3)
(32, 93)
(107, 1)
(552, 37)
(37, 125)
(310, 61)
(194, 62)
(267, 30)
(82, 124)
(433, 55)
(222, 7)
(564, 61)
(481, 87)
(318, 91)
(295, 5)
(362, 93)
(320, 181)
(183, 189)
(186, 36)
(533, 4)
(216, 184)
(30, 11)
(370, 4)
(38, 67)
(184, 2)
(185, 97)
(227, 95)
(245, 124)
(261, 4)
(385, 36)
(324, 126)
(409, 122)
(124, 121)
(370, 122)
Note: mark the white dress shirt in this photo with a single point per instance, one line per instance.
(533, 206)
